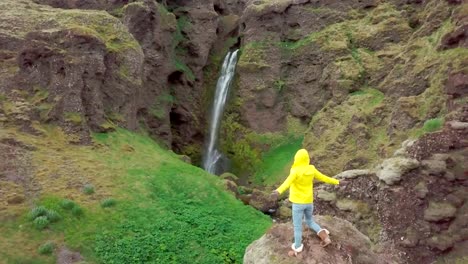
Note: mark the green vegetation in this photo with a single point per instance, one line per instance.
(108, 202)
(88, 189)
(46, 249)
(67, 204)
(74, 118)
(432, 125)
(277, 161)
(41, 222)
(168, 211)
(253, 55)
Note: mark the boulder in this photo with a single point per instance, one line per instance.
(348, 244)
(391, 170)
(421, 190)
(230, 186)
(438, 211)
(351, 174)
(229, 176)
(434, 167)
(326, 196)
(263, 201)
(284, 212)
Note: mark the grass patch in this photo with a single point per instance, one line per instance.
(108, 202)
(276, 162)
(41, 222)
(433, 125)
(168, 211)
(46, 249)
(88, 189)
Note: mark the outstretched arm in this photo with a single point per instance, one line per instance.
(287, 182)
(321, 177)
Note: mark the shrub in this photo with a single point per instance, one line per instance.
(41, 222)
(432, 125)
(77, 211)
(67, 204)
(47, 248)
(88, 189)
(108, 202)
(37, 211)
(53, 216)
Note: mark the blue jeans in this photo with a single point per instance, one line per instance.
(298, 211)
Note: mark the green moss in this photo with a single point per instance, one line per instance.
(277, 161)
(72, 117)
(432, 125)
(253, 55)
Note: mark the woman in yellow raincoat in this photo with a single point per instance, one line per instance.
(300, 182)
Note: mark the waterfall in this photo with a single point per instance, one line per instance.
(212, 156)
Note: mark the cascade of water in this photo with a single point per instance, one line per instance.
(212, 156)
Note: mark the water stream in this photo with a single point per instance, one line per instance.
(213, 158)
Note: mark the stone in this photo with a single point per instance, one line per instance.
(185, 159)
(230, 186)
(353, 206)
(263, 201)
(284, 212)
(351, 174)
(229, 176)
(440, 242)
(326, 196)
(391, 170)
(272, 248)
(438, 211)
(434, 167)
(421, 190)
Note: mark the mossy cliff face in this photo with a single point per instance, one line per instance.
(139, 65)
(81, 69)
(363, 76)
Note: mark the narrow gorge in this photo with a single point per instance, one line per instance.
(148, 131)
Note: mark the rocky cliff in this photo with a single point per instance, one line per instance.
(358, 77)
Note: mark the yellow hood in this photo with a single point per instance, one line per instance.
(301, 158)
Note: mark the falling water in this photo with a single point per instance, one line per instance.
(212, 156)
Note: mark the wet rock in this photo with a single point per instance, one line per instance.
(263, 201)
(351, 174)
(391, 170)
(421, 190)
(348, 243)
(438, 211)
(326, 196)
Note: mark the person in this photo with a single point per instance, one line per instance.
(300, 182)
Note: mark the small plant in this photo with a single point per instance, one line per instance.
(67, 204)
(432, 125)
(88, 189)
(41, 222)
(37, 211)
(53, 216)
(77, 211)
(47, 248)
(108, 202)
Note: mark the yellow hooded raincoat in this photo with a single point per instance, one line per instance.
(301, 179)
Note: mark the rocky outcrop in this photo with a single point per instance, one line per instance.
(349, 245)
(422, 212)
(79, 69)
